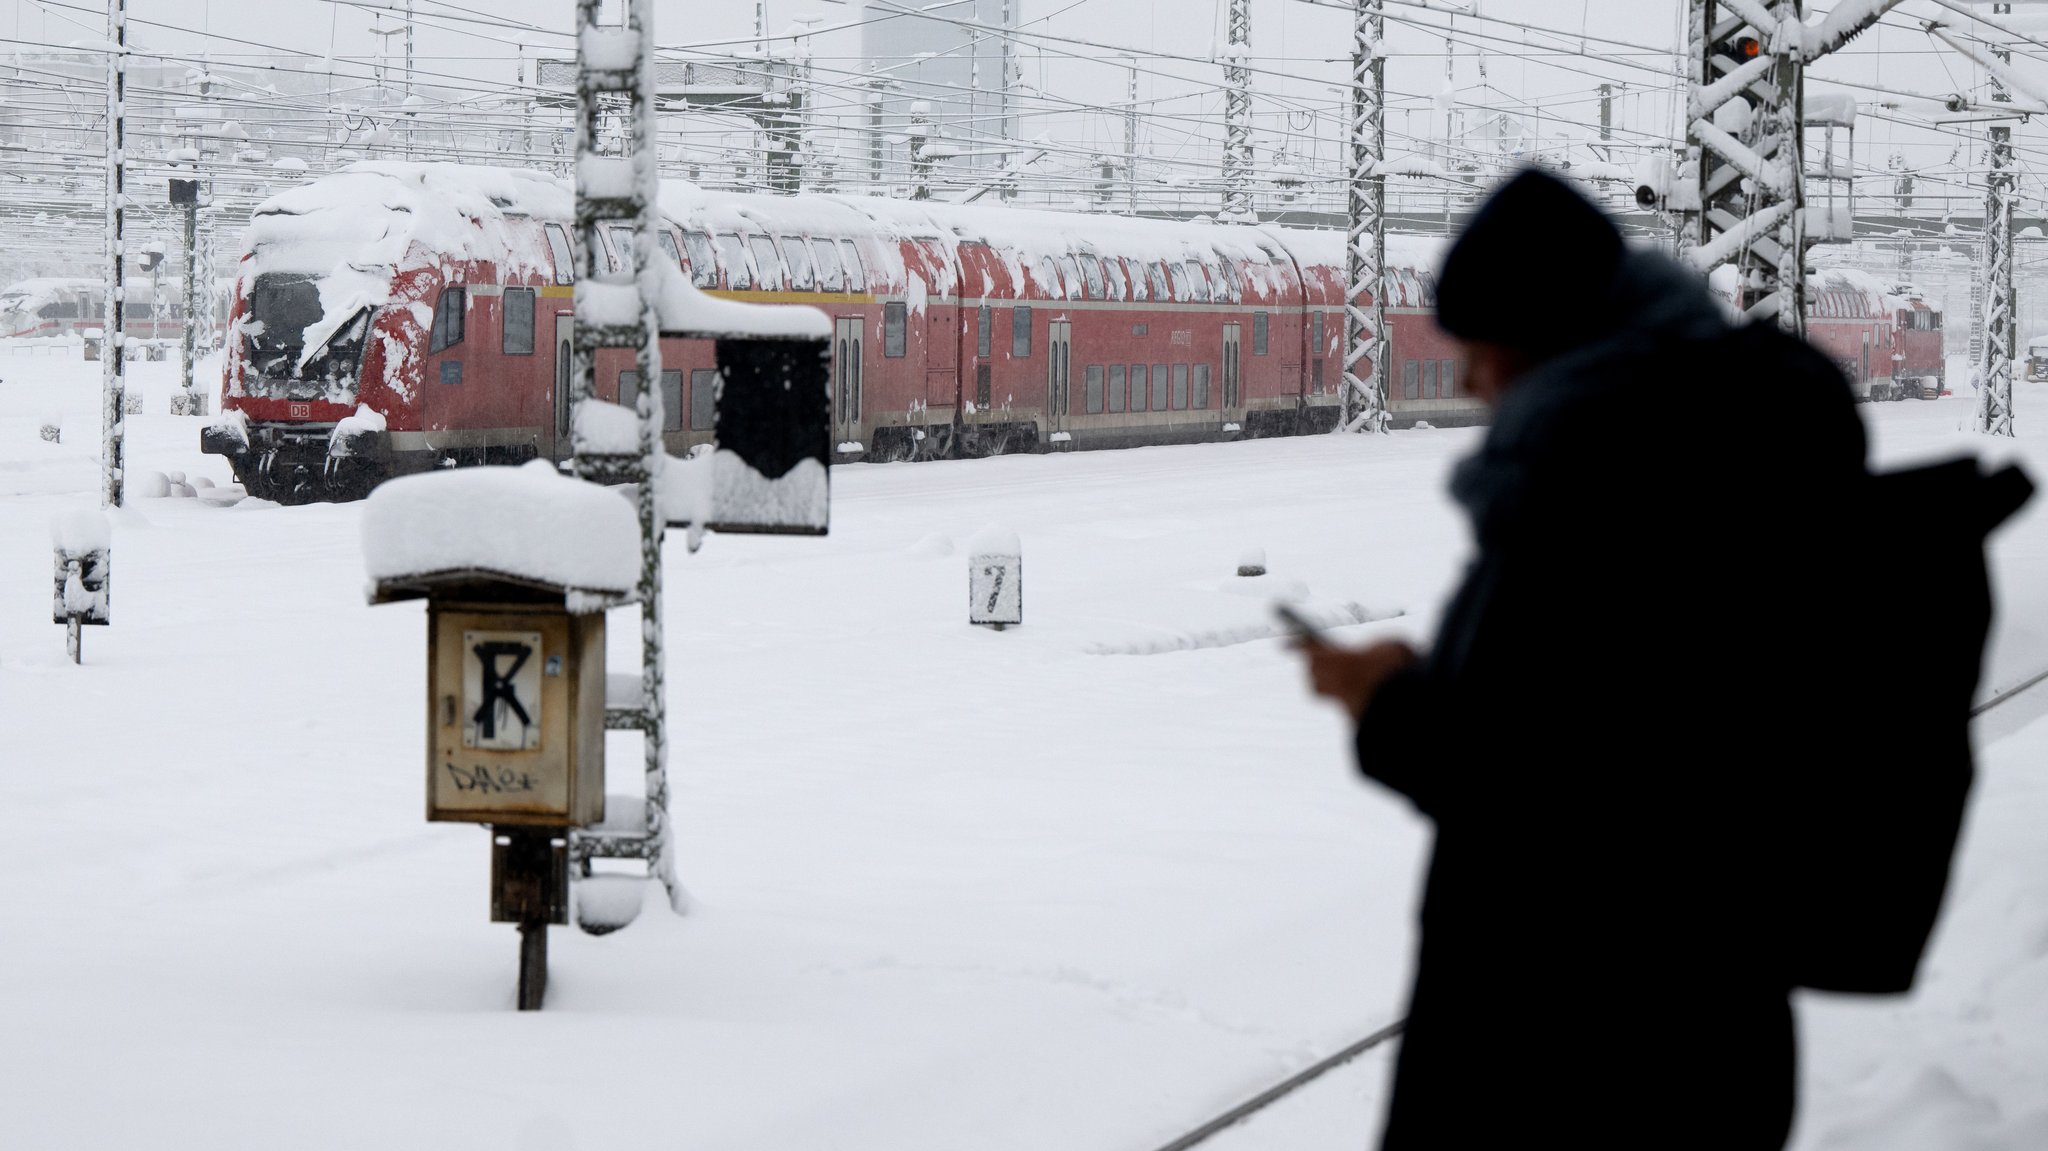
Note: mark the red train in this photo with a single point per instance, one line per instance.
(1887, 340)
(395, 317)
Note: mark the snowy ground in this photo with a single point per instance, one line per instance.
(1059, 887)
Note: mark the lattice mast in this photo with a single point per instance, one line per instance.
(615, 64)
(113, 345)
(1742, 198)
(2000, 337)
(1743, 141)
(1237, 115)
(1365, 249)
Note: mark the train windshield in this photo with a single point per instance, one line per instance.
(282, 307)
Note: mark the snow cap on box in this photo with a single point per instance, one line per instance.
(1534, 233)
(529, 522)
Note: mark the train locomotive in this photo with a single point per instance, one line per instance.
(395, 317)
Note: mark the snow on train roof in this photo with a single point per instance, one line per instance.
(353, 227)
(1020, 235)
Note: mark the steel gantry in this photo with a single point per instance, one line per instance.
(2001, 336)
(620, 310)
(1365, 249)
(1740, 194)
(1237, 116)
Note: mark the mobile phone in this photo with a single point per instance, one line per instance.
(1304, 631)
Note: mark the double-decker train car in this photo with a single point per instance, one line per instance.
(394, 317)
(62, 306)
(1887, 340)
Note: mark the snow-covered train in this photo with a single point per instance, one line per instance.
(1887, 339)
(393, 317)
(62, 306)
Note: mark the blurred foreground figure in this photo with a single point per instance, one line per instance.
(1661, 732)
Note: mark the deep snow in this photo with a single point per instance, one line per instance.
(955, 889)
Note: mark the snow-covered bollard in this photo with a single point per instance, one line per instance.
(1252, 562)
(995, 579)
(131, 403)
(52, 431)
(83, 545)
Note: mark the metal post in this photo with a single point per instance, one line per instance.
(643, 469)
(1131, 136)
(1237, 116)
(1365, 249)
(1994, 398)
(113, 345)
(1606, 112)
(194, 310)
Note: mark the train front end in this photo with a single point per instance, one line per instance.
(317, 372)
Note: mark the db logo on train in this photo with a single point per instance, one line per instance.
(301, 411)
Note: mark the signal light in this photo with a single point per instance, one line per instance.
(1747, 47)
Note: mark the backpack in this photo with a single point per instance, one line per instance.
(1875, 818)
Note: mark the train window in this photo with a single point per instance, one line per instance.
(1180, 387)
(1443, 375)
(1259, 324)
(703, 261)
(1159, 387)
(1411, 380)
(620, 252)
(1156, 273)
(1113, 273)
(830, 278)
(1315, 377)
(671, 397)
(984, 330)
(856, 276)
(1137, 387)
(1315, 341)
(1198, 280)
(1094, 376)
(1091, 272)
(564, 255)
(668, 245)
(797, 255)
(1020, 331)
(767, 265)
(1201, 386)
(703, 398)
(448, 317)
(1232, 278)
(1140, 290)
(895, 316)
(738, 273)
(516, 339)
(1429, 379)
(1178, 273)
(1116, 387)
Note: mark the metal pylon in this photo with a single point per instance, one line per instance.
(619, 310)
(1994, 396)
(1365, 249)
(1237, 116)
(1743, 132)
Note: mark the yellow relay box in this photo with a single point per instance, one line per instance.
(515, 714)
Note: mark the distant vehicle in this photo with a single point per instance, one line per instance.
(62, 306)
(1886, 339)
(395, 317)
(2037, 359)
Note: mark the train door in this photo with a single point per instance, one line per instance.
(847, 341)
(557, 442)
(1233, 397)
(1059, 373)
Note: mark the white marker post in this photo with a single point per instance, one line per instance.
(83, 545)
(995, 579)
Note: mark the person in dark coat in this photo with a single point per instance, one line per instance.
(1607, 721)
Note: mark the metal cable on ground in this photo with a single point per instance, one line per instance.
(1281, 1090)
(1296, 1082)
